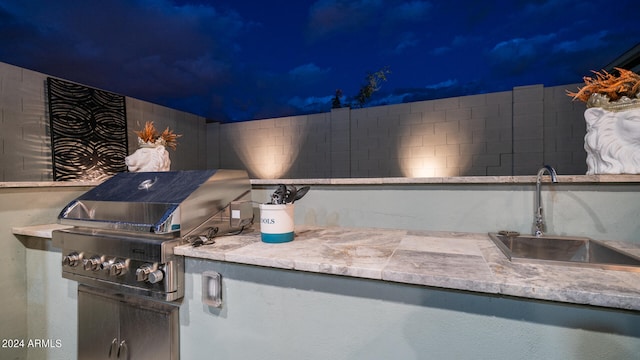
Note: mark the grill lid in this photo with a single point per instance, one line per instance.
(157, 202)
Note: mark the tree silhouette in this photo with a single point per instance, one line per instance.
(335, 102)
(372, 84)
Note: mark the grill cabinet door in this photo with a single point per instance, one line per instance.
(115, 326)
(98, 322)
(149, 330)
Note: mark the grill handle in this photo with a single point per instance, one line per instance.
(123, 351)
(114, 345)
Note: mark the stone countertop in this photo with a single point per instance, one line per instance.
(41, 231)
(449, 260)
(457, 261)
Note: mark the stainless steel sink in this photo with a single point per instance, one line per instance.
(563, 250)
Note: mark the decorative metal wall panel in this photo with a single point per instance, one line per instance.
(88, 131)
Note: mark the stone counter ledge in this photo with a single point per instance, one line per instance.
(526, 179)
(461, 180)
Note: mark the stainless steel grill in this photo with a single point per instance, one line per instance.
(120, 250)
(126, 228)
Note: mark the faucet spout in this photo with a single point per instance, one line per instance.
(549, 169)
(538, 221)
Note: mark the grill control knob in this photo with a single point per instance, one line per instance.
(142, 274)
(118, 268)
(106, 265)
(73, 259)
(156, 276)
(92, 264)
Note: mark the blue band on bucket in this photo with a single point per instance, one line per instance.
(277, 238)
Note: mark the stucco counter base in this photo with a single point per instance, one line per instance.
(457, 261)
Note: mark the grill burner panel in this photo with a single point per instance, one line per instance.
(140, 265)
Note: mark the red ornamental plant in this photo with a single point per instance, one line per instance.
(150, 135)
(627, 83)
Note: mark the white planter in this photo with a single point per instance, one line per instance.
(148, 157)
(612, 141)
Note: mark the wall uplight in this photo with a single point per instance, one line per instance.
(268, 151)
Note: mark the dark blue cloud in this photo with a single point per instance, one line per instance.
(327, 17)
(308, 72)
(414, 10)
(589, 42)
(231, 60)
(407, 40)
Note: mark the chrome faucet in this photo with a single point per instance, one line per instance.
(538, 221)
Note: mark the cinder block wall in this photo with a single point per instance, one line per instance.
(25, 150)
(25, 143)
(504, 133)
(564, 130)
(276, 148)
(191, 152)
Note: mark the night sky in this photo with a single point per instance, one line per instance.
(252, 59)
